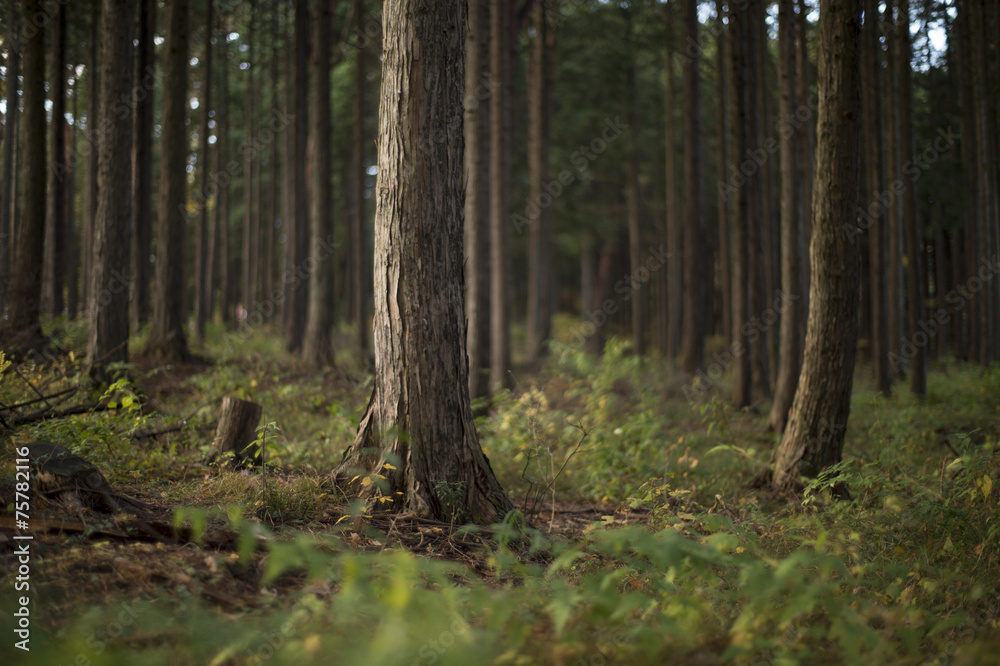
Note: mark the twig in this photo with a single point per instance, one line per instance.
(8, 408)
(33, 387)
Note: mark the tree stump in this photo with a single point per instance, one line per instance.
(235, 433)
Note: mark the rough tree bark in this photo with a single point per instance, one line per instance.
(167, 341)
(792, 278)
(814, 437)
(107, 341)
(419, 413)
(21, 330)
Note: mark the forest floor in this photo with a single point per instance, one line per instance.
(643, 542)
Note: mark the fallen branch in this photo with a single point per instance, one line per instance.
(37, 400)
(47, 414)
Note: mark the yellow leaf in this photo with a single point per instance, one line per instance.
(986, 485)
(367, 481)
(253, 383)
(311, 643)
(388, 466)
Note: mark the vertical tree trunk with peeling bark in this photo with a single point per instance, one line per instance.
(317, 350)
(420, 414)
(22, 331)
(792, 277)
(109, 313)
(167, 340)
(814, 437)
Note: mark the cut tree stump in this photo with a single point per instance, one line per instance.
(236, 431)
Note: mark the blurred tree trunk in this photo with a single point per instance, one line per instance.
(693, 342)
(969, 160)
(250, 251)
(807, 144)
(675, 231)
(478, 89)
(94, 145)
(875, 220)
(770, 226)
(317, 350)
(637, 296)
(722, 153)
(894, 212)
(500, 20)
(299, 233)
(142, 182)
(814, 437)
(227, 286)
(540, 235)
(360, 269)
(107, 341)
(54, 269)
(72, 242)
(202, 263)
(916, 353)
(985, 221)
(754, 160)
(7, 188)
(167, 340)
(792, 277)
(739, 190)
(419, 415)
(21, 330)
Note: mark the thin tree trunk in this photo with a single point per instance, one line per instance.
(202, 276)
(693, 342)
(632, 194)
(227, 287)
(9, 150)
(167, 340)
(792, 284)
(814, 437)
(109, 313)
(722, 152)
(420, 413)
(317, 350)
(756, 224)
(873, 216)
(769, 228)
(21, 331)
(675, 230)
(807, 144)
(248, 281)
(985, 224)
(894, 227)
(93, 143)
(142, 182)
(55, 233)
(359, 255)
(299, 288)
(499, 189)
(72, 249)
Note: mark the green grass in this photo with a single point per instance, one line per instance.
(687, 564)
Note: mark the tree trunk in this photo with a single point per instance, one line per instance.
(792, 283)
(21, 331)
(807, 144)
(985, 224)
(299, 288)
(236, 431)
(317, 349)
(94, 145)
(109, 312)
(739, 191)
(693, 343)
(637, 298)
(916, 349)
(55, 222)
(722, 130)
(420, 414)
(499, 190)
(142, 182)
(227, 290)
(167, 341)
(202, 277)
(249, 254)
(675, 231)
(9, 149)
(72, 250)
(361, 271)
(540, 240)
(894, 228)
(874, 216)
(814, 437)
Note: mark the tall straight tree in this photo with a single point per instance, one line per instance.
(792, 276)
(9, 147)
(296, 301)
(227, 290)
(55, 220)
(360, 266)
(872, 62)
(317, 350)
(420, 413)
(894, 228)
(540, 235)
(743, 377)
(674, 228)
(167, 341)
(638, 299)
(202, 276)
(500, 21)
(477, 200)
(109, 312)
(693, 335)
(814, 437)
(142, 157)
(21, 331)
(94, 143)
(722, 153)
(251, 173)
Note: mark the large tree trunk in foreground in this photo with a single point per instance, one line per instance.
(814, 438)
(109, 308)
(21, 331)
(167, 341)
(420, 415)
